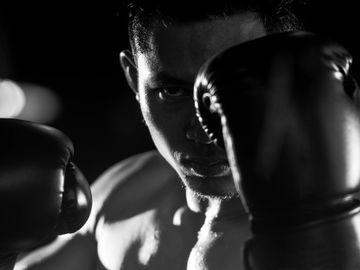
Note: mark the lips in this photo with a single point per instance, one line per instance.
(207, 167)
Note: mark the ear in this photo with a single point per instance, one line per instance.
(130, 70)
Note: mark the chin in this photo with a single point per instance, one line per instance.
(212, 187)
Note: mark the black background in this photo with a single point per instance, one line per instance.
(73, 49)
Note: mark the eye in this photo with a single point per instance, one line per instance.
(172, 93)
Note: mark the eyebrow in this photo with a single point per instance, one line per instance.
(164, 77)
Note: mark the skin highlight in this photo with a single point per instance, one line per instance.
(164, 85)
(162, 79)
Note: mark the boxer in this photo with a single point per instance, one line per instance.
(288, 109)
(175, 207)
(42, 193)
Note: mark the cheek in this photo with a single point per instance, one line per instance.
(156, 118)
(151, 112)
(160, 128)
(166, 123)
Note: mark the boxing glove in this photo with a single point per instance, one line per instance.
(42, 193)
(285, 108)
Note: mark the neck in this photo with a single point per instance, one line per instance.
(216, 210)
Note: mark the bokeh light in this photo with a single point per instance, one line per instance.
(42, 104)
(28, 102)
(12, 99)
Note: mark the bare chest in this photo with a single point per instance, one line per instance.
(143, 242)
(222, 250)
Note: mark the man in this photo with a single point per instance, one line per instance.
(142, 218)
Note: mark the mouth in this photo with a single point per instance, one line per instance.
(207, 167)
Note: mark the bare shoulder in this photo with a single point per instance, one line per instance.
(135, 203)
(134, 167)
(134, 184)
(128, 201)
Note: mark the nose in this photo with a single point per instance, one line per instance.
(194, 132)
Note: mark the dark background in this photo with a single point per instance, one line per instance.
(73, 49)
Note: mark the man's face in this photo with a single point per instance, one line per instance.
(166, 74)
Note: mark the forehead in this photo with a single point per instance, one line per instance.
(180, 49)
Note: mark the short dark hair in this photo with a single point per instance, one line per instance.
(277, 15)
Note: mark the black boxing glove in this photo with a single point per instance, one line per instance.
(42, 193)
(284, 107)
